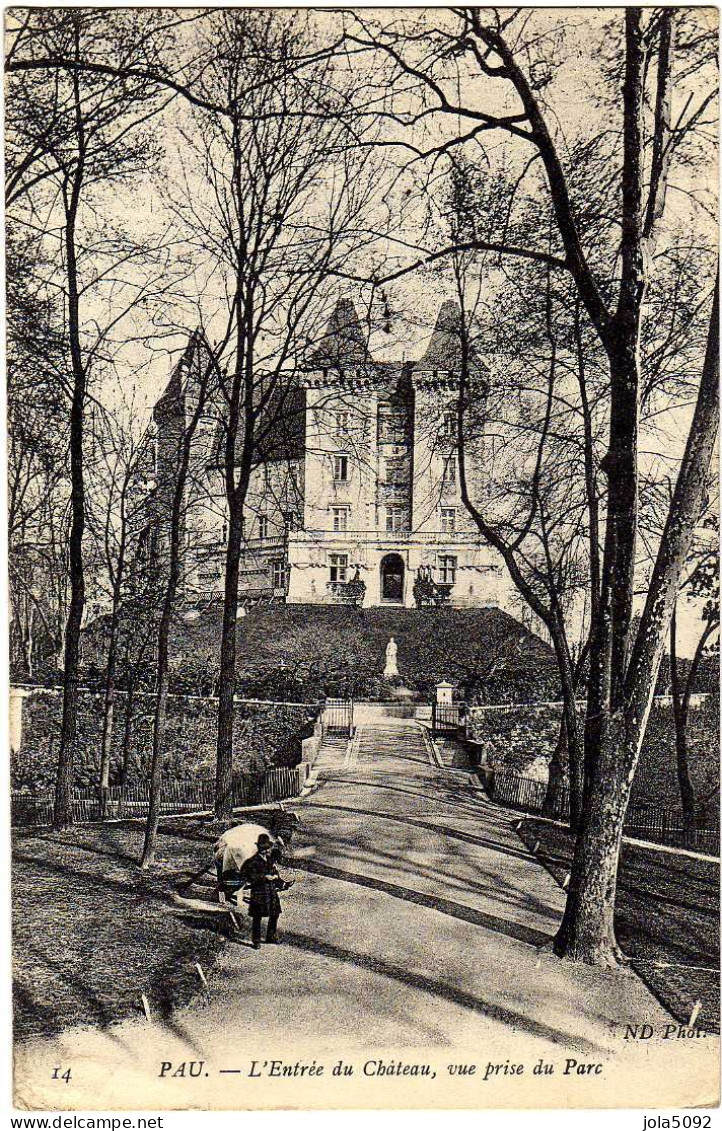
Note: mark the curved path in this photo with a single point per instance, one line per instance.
(420, 921)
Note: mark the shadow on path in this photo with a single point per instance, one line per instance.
(517, 931)
(441, 830)
(439, 989)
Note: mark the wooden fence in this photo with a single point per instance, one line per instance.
(182, 796)
(661, 824)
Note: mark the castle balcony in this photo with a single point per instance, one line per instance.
(216, 546)
(273, 542)
(411, 537)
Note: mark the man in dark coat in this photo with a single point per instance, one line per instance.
(260, 873)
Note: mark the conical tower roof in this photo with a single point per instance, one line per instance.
(444, 349)
(344, 342)
(173, 392)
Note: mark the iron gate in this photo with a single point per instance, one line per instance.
(447, 718)
(338, 716)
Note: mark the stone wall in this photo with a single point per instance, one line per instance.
(517, 737)
(522, 738)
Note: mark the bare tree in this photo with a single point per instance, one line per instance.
(37, 463)
(116, 507)
(83, 133)
(191, 387)
(508, 50)
(272, 239)
(587, 930)
(528, 501)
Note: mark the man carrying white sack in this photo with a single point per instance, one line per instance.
(232, 849)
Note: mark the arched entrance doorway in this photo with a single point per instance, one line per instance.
(392, 578)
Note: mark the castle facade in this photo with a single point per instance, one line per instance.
(359, 501)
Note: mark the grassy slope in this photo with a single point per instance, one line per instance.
(313, 650)
(91, 933)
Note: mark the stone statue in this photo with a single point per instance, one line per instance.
(391, 668)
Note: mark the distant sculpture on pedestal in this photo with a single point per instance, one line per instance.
(391, 668)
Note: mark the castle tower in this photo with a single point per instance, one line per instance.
(356, 498)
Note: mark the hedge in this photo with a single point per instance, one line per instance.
(265, 735)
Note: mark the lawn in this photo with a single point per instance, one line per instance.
(91, 932)
(667, 918)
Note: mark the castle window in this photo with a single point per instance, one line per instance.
(266, 475)
(340, 517)
(448, 519)
(447, 569)
(396, 469)
(289, 519)
(262, 526)
(450, 469)
(278, 574)
(342, 419)
(338, 566)
(395, 518)
(391, 425)
(449, 426)
(340, 469)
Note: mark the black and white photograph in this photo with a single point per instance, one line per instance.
(362, 380)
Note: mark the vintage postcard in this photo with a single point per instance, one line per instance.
(362, 376)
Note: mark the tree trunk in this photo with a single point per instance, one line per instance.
(106, 741)
(590, 478)
(610, 642)
(679, 707)
(62, 813)
(576, 762)
(27, 638)
(571, 722)
(127, 732)
(159, 720)
(558, 776)
(620, 550)
(174, 576)
(621, 338)
(227, 675)
(62, 810)
(623, 350)
(587, 929)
